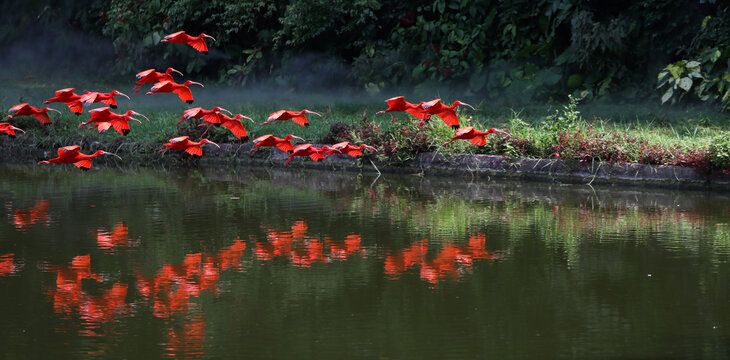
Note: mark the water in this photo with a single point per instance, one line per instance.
(259, 263)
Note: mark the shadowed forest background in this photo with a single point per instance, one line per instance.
(514, 51)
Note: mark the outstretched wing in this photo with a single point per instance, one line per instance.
(179, 139)
(90, 98)
(42, 117)
(110, 101)
(192, 113)
(68, 151)
(285, 146)
(479, 140)
(83, 164)
(184, 94)
(300, 119)
(194, 150)
(144, 73)
(120, 125)
(449, 117)
(236, 128)
(103, 126)
(199, 44)
(175, 37)
(18, 107)
(76, 107)
(262, 138)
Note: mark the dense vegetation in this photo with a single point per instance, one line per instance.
(517, 49)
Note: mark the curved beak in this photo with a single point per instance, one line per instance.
(228, 111)
(210, 37)
(49, 109)
(196, 83)
(212, 143)
(137, 120)
(138, 114)
(312, 112)
(371, 148)
(465, 104)
(108, 153)
(18, 129)
(173, 70)
(246, 117)
(123, 94)
(297, 137)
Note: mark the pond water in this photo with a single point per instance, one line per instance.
(260, 263)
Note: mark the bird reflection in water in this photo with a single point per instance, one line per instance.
(8, 265)
(24, 218)
(118, 237)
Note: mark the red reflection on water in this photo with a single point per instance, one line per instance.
(186, 340)
(7, 265)
(304, 251)
(24, 218)
(448, 263)
(110, 240)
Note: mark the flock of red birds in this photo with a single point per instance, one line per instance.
(103, 118)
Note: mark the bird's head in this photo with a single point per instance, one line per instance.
(290, 136)
(131, 113)
(206, 141)
(117, 92)
(50, 109)
(311, 112)
(202, 35)
(493, 130)
(170, 70)
(239, 116)
(102, 152)
(458, 103)
(368, 147)
(190, 82)
(218, 108)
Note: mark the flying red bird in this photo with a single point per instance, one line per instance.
(209, 116)
(182, 90)
(351, 150)
(26, 110)
(284, 144)
(299, 117)
(8, 129)
(191, 147)
(151, 76)
(399, 103)
(309, 150)
(235, 125)
(68, 97)
(71, 155)
(91, 97)
(475, 136)
(445, 112)
(103, 119)
(197, 42)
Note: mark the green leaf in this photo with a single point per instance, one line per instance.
(685, 83)
(667, 95)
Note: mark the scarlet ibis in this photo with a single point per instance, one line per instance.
(445, 112)
(152, 76)
(103, 119)
(91, 97)
(399, 103)
(68, 97)
(299, 117)
(71, 155)
(182, 90)
(345, 148)
(476, 136)
(197, 42)
(26, 110)
(309, 150)
(235, 125)
(185, 144)
(209, 116)
(284, 144)
(8, 129)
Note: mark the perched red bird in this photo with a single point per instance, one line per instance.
(191, 147)
(91, 97)
(209, 116)
(26, 110)
(151, 76)
(8, 129)
(235, 125)
(68, 97)
(299, 117)
(351, 150)
(309, 150)
(399, 103)
(284, 144)
(71, 155)
(182, 90)
(103, 119)
(445, 112)
(197, 42)
(475, 136)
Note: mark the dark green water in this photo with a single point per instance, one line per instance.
(274, 264)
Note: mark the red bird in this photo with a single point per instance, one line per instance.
(299, 117)
(235, 125)
(209, 116)
(399, 103)
(68, 97)
(8, 129)
(103, 119)
(345, 148)
(197, 42)
(26, 110)
(191, 147)
(182, 90)
(312, 152)
(476, 136)
(151, 76)
(91, 97)
(445, 112)
(284, 144)
(71, 155)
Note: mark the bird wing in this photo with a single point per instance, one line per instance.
(465, 130)
(195, 150)
(68, 151)
(276, 115)
(110, 101)
(394, 101)
(419, 113)
(175, 36)
(449, 117)
(120, 125)
(18, 107)
(198, 44)
(214, 118)
(301, 147)
(261, 138)
(144, 73)
(76, 107)
(316, 156)
(340, 146)
(479, 140)
(192, 113)
(300, 119)
(354, 152)
(100, 113)
(184, 93)
(179, 139)
(103, 126)
(285, 146)
(85, 164)
(66, 91)
(236, 128)
(159, 86)
(89, 97)
(42, 117)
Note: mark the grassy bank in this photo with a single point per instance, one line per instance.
(647, 134)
